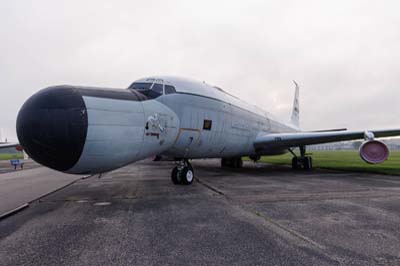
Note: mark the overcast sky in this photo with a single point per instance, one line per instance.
(344, 54)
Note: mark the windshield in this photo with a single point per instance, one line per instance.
(151, 90)
(140, 86)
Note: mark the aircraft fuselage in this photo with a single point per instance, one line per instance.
(91, 130)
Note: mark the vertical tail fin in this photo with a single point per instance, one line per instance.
(295, 120)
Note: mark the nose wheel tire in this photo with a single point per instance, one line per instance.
(175, 177)
(187, 176)
(182, 175)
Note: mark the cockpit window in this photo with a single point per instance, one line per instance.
(169, 89)
(158, 88)
(152, 89)
(140, 86)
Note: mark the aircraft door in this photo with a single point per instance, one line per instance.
(187, 139)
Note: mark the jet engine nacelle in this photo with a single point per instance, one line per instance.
(82, 130)
(374, 151)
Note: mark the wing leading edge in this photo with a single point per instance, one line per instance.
(266, 141)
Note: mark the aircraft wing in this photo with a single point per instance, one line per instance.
(8, 145)
(289, 140)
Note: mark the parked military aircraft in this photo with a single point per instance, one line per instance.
(82, 130)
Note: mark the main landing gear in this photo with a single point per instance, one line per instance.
(302, 162)
(183, 173)
(236, 162)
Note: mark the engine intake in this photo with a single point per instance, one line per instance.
(374, 152)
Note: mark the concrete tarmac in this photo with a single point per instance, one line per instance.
(23, 186)
(258, 215)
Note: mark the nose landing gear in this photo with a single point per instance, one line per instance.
(183, 173)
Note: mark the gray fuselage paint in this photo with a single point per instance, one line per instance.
(117, 133)
(233, 131)
(122, 131)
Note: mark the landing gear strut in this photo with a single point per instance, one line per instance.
(183, 173)
(302, 162)
(236, 162)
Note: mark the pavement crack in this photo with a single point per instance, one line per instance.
(211, 188)
(293, 233)
(274, 224)
(86, 200)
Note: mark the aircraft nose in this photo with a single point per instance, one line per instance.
(52, 127)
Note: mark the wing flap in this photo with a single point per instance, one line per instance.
(288, 140)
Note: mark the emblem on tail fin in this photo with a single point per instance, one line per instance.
(295, 120)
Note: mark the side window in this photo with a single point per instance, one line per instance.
(169, 89)
(157, 88)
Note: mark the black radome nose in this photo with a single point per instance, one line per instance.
(52, 127)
